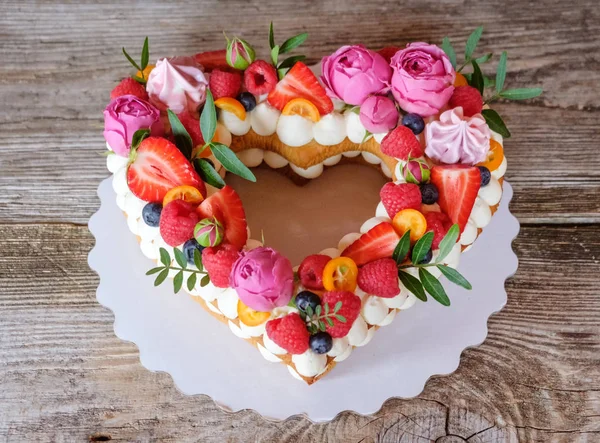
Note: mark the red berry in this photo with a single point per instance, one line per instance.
(379, 278)
(469, 98)
(350, 309)
(396, 197)
(177, 221)
(211, 60)
(378, 242)
(439, 223)
(289, 332)
(226, 206)
(388, 52)
(192, 126)
(401, 143)
(260, 77)
(218, 262)
(311, 269)
(224, 84)
(129, 86)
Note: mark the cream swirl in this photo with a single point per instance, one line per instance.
(178, 84)
(455, 138)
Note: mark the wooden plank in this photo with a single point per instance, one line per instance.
(65, 376)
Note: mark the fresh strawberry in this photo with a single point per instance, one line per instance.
(218, 262)
(439, 223)
(289, 332)
(388, 52)
(300, 82)
(350, 309)
(458, 186)
(211, 60)
(401, 143)
(396, 197)
(177, 221)
(129, 86)
(260, 77)
(380, 278)
(224, 83)
(226, 206)
(158, 166)
(469, 98)
(192, 126)
(378, 242)
(311, 269)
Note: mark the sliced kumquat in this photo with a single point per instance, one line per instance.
(494, 157)
(147, 70)
(249, 316)
(231, 105)
(184, 192)
(340, 274)
(410, 220)
(460, 80)
(302, 107)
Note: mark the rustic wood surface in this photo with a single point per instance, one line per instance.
(64, 376)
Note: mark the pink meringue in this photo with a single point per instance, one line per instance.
(178, 84)
(455, 138)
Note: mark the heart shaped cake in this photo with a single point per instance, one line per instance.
(174, 129)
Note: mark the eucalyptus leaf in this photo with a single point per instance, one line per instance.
(449, 50)
(472, 42)
(454, 276)
(422, 247)
(198, 260)
(448, 242)
(208, 173)
(477, 77)
(293, 42)
(183, 141)
(191, 281)
(271, 36)
(433, 287)
(138, 137)
(231, 162)
(412, 284)
(155, 270)
(275, 55)
(521, 93)
(402, 248)
(178, 282)
(165, 258)
(145, 55)
(208, 118)
(289, 62)
(180, 258)
(135, 65)
(204, 281)
(161, 277)
(501, 72)
(495, 122)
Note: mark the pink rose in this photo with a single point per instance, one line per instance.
(263, 279)
(123, 116)
(378, 114)
(423, 78)
(352, 73)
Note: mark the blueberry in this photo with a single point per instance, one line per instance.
(429, 194)
(188, 249)
(151, 214)
(321, 343)
(427, 258)
(414, 122)
(247, 100)
(486, 175)
(307, 298)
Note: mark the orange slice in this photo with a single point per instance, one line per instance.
(460, 80)
(184, 192)
(231, 105)
(410, 219)
(494, 156)
(302, 107)
(249, 316)
(340, 274)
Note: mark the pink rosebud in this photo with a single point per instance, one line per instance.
(123, 116)
(352, 73)
(416, 171)
(263, 279)
(208, 232)
(239, 53)
(379, 114)
(423, 78)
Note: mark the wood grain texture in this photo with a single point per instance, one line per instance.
(64, 376)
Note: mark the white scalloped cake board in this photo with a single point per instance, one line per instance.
(174, 334)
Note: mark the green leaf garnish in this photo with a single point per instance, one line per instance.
(448, 242)
(290, 61)
(318, 310)
(495, 122)
(207, 173)
(145, 55)
(433, 287)
(449, 50)
(271, 36)
(501, 73)
(208, 118)
(138, 137)
(520, 93)
(484, 58)
(165, 258)
(135, 65)
(138, 79)
(154, 270)
(231, 162)
(309, 311)
(178, 282)
(180, 258)
(337, 307)
(477, 77)
(183, 141)
(204, 281)
(330, 321)
(293, 42)
(340, 318)
(275, 55)
(401, 249)
(191, 282)
(472, 42)
(413, 285)
(422, 247)
(198, 260)
(161, 277)
(454, 276)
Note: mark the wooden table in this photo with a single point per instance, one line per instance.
(64, 376)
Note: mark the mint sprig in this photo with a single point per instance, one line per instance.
(144, 59)
(181, 260)
(287, 46)
(316, 319)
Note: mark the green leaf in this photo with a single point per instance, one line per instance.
(484, 58)
(449, 50)
(178, 282)
(318, 310)
(472, 42)
(401, 249)
(204, 281)
(191, 281)
(488, 82)
(140, 80)
(326, 308)
(422, 247)
(271, 36)
(293, 42)
(183, 141)
(207, 173)
(521, 93)
(198, 260)
(161, 277)
(454, 276)
(412, 284)
(135, 65)
(275, 55)
(230, 161)
(180, 258)
(477, 77)
(501, 72)
(309, 311)
(495, 122)
(165, 258)
(448, 242)
(433, 287)
(330, 322)
(340, 318)
(145, 55)
(289, 62)
(208, 118)
(138, 137)
(281, 73)
(337, 307)
(322, 325)
(155, 270)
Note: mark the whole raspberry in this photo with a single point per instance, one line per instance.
(129, 86)
(350, 309)
(260, 77)
(224, 84)
(396, 197)
(380, 277)
(218, 262)
(192, 126)
(311, 269)
(289, 332)
(439, 223)
(469, 98)
(177, 221)
(401, 143)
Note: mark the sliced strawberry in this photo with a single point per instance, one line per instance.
(212, 60)
(226, 206)
(300, 82)
(378, 242)
(458, 186)
(158, 166)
